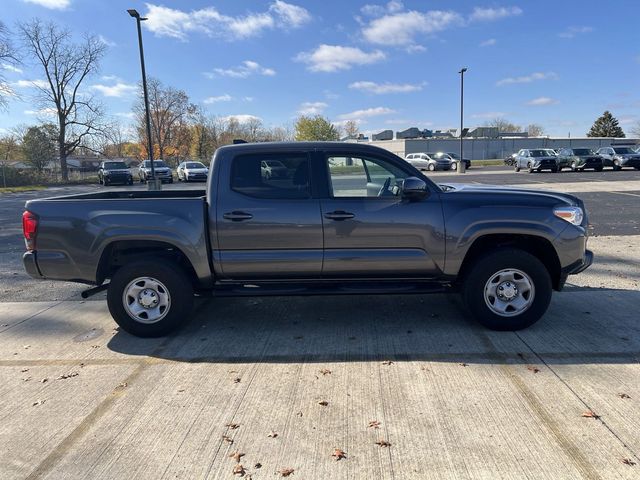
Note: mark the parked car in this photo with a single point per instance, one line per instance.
(510, 161)
(273, 169)
(429, 161)
(619, 157)
(192, 171)
(113, 171)
(382, 228)
(536, 160)
(162, 171)
(455, 159)
(578, 159)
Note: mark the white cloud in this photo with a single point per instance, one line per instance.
(220, 98)
(488, 43)
(170, 22)
(489, 14)
(129, 115)
(10, 68)
(542, 101)
(573, 31)
(376, 10)
(244, 70)
(241, 118)
(312, 108)
(46, 112)
(366, 113)
(528, 78)
(416, 49)
(331, 58)
(30, 84)
(51, 4)
(402, 28)
(382, 88)
(106, 41)
(120, 89)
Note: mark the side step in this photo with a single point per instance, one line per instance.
(333, 288)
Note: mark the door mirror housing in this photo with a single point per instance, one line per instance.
(414, 189)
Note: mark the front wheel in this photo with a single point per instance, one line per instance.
(530, 167)
(150, 299)
(454, 166)
(431, 167)
(616, 165)
(517, 168)
(508, 289)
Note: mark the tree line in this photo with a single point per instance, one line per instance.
(180, 129)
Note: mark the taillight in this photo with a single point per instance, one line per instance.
(29, 229)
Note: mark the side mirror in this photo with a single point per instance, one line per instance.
(414, 189)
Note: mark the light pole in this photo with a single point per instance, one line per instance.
(153, 184)
(461, 165)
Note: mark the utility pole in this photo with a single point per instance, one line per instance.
(461, 165)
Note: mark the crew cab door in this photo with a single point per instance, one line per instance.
(369, 229)
(267, 226)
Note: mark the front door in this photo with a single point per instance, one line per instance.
(267, 223)
(370, 230)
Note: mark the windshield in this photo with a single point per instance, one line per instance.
(115, 165)
(453, 155)
(540, 153)
(194, 165)
(156, 164)
(582, 151)
(623, 150)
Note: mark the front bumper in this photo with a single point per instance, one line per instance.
(630, 162)
(120, 178)
(580, 265)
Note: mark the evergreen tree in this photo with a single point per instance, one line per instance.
(606, 126)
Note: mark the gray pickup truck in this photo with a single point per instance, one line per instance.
(346, 219)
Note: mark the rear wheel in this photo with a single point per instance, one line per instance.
(573, 167)
(598, 169)
(454, 166)
(150, 299)
(508, 289)
(431, 167)
(517, 169)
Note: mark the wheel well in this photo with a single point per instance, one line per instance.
(539, 247)
(118, 254)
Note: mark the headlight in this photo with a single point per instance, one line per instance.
(573, 215)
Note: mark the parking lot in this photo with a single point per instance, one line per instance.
(405, 386)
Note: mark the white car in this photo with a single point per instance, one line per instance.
(192, 171)
(429, 161)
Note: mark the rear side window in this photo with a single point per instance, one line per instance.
(271, 176)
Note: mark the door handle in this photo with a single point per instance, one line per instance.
(237, 216)
(339, 215)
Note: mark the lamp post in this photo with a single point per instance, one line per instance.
(461, 165)
(153, 184)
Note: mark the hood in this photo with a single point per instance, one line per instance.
(498, 190)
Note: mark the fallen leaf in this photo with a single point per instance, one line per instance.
(325, 371)
(123, 385)
(533, 369)
(463, 364)
(180, 390)
(67, 375)
(38, 402)
(26, 347)
(227, 439)
(257, 465)
(590, 414)
(24, 370)
(339, 454)
(95, 346)
(26, 379)
(285, 472)
(272, 434)
(232, 426)
(374, 424)
(324, 403)
(44, 380)
(236, 456)
(236, 380)
(299, 414)
(383, 443)
(628, 461)
(624, 395)
(387, 362)
(239, 470)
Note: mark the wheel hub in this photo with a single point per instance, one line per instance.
(148, 298)
(507, 291)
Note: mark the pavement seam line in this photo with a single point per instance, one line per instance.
(31, 316)
(574, 393)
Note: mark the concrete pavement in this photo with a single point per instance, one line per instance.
(84, 400)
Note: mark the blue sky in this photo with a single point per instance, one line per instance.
(386, 65)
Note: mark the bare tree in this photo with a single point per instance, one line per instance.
(66, 65)
(535, 130)
(635, 130)
(351, 128)
(7, 56)
(168, 109)
(504, 125)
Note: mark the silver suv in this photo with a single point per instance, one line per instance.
(429, 161)
(619, 157)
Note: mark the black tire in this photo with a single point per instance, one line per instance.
(431, 167)
(178, 286)
(554, 170)
(130, 181)
(573, 167)
(454, 166)
(530, 167)
(480, 272)
(616, 166)
(598, 169)
(517, 169)
(106, 182)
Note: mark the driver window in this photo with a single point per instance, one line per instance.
(364, 177)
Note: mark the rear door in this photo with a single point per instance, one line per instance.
(268, 226)
(369, 230)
